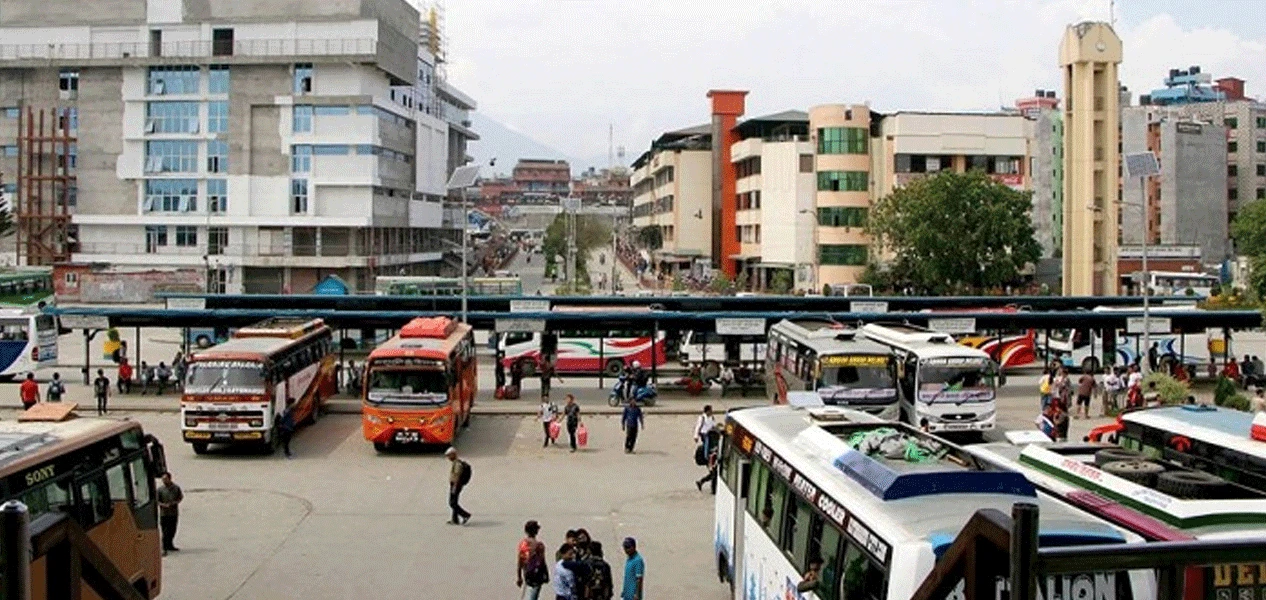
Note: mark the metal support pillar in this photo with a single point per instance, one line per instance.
(137, 358)
(654, 355)
(87, 358)
(16, 550)
(1023, 551)
(602, 361)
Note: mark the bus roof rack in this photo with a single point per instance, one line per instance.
(283, 327)
(905, 334)
(429, 327)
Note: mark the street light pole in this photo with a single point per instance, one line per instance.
(465, 251)
(1147, 295)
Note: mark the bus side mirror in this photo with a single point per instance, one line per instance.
(1002, 379)
(157, 456)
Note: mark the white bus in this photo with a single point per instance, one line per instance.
(28, 341)
(793, 488)
(1084, 348)
(842, 367)
(950, 385)
(1177, 283)
(709, 351)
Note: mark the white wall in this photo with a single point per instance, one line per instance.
(694, 195)
(786, 235)
(917, 133)
(431, 158)
(338, 201)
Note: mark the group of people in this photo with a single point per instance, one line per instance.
(580, 569)
(551, 416)
(1248, 372)
(1063, 398)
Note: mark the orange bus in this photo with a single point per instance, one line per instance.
(236, 392)
(420, 384)
(99, 473)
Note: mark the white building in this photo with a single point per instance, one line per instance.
(672, 190)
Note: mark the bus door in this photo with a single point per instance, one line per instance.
(742, 475)
(733, 351)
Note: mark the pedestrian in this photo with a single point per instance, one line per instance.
(631, 421)
(531, 570)
(56, 388)
(547, 373)
(1135, 377)
(499, 371)
(353, 378)
(125, 377)
(812, 581)
(286, 429)
(163, 374)
(458, 477)
(1153, 357)
(147, 377)
(29, 391)
(706, 429)
(101, 390)
(711, 460)
(566, 573)
(169, 498)
(1060, 386)
(634, 572)
(1059, 418)
(1085, 390)
(1044, 387)
(547, 413)
(601, 584)
(516, 378)
(572, 414)
(178, 366)
(1113, 384)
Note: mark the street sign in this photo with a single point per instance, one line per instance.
(571, 205)
(1141, 164)
(520, 325)
(740, 326)
(529, 306)
(868, 307)
(85, 322)
(186, 304)
(952, 325)
(1157, 325)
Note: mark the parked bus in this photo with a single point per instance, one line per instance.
(586, 351)
(710, 350)
(28, 341)
(797, 484)
(99, 472)
(236, 392)
(420, 385)
(952, 386)
(426, 285)
(1178, 283)
(23, 288)
(1010, 349)
(834, 361)
(1085, 348)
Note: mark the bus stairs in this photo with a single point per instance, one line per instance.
(71, 558)
(996, 555)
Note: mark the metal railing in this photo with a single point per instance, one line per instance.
(190, 49)
(251, 250)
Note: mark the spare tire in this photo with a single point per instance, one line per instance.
(1137, 471)
(1192, 485)
(1108, 455)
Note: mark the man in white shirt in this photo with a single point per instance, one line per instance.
(706, 429)
(1135, 377)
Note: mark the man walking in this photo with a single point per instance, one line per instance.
(572, 413)
(706, 429)
(286, 430)
(458, 477)
(169, 498)
(632, 421)
(1085, 390)
(101, 389)
(634, 572)
(547, 373)
(532, 569)
(56, 388)
(29, 392)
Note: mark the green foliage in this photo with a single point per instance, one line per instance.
(741, 283)
(1224, 390)
(781, 282)
(1249, 229)
(1171, 390)
(1238, 402)
(956, 232)
(650, 237)
(721, 284)
(591, 232)
(1228, 298)
(679, 284)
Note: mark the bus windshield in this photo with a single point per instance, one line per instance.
(225, 377)
(408, 387)
(856, 378)
(956, 380)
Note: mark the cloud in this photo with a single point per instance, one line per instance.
(562, 70)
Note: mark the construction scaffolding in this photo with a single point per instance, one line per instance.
(47, 154)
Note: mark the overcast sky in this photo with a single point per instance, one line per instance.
(560, 71)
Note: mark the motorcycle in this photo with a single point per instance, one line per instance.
(645, 395)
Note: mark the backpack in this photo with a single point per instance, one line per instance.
(701, 459)
(464, 477)
(535, 572)
(56, 388)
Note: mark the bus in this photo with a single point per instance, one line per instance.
(420, 385)
(834, 361)
(796, 483)
(26, 287)
(952, 386)
(1085, 348)
(28, 341)
(586, 351)
(426, 285)
(709, 350)
(1159, 500)
(236, 392)
(1177, 283)
(99, 472)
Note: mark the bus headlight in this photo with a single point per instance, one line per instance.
(257, 423)
(191, 423)
(391, 420)
(440, 421)
(373, 419)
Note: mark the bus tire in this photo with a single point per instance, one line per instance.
(203, 342)
(527, 366)
(381, 447)
(614, 367)
(1110, 455)
(1192, 485)
(1090, 364)
(200, 447)
(1141, 472)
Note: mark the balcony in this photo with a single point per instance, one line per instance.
(127, 53)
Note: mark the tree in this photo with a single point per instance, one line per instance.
(955, 232)
(591, 232)
(650, 237)
(781, 282)
(1249, 232)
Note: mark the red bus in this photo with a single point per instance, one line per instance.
(420, 384)
(236, 392)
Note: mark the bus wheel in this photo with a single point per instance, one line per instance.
(527, 367)
(613, 367)
(1090, 365)
(199, 447)
(380, 446)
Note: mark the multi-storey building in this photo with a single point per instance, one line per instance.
(536, 176)
(672, 190)
(1046, 169)
(262, 145)
(840, 135)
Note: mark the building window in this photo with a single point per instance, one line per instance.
(9, 150)
(301, 158)
(842, 181)
(186, 236)
(1261, 122)
(332, 110)
(217, 156)
(217, 240)
(1261, 193)
(171, 195)
(1261, 170)
(171, 117)
(1231, 122)
(842, 216)
(180, 79)
(303, 78)
(11, 112)
(331, 149)
(155, 236)
(1232, 147)
(218, 82)
(747, 167)
(298, 196)
(69, 159)
(302, 118)
(1233, 194)
(843, 255)
(806, 163)
(1232, 171)
(68, 118)
(218, 196)
(68, 80)
(1261, 147)
(842, 140)
(218, 116)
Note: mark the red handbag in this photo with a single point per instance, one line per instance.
(554, 430)
(582, 435)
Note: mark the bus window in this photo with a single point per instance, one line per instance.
(518, 338)
(118, 483)
(795, 534)
(140, 483)
(49, 497)
(824, 543)
(774, 504)
(94, 501)
(760, 480)
(862, 579)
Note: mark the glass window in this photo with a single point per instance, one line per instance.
(298, 196)
(217, 156)
(68, 118)
(218, 116)
(1232, 170)
(141, 479)
(171, 156)
(332, 111)
(12, 112)
(843, 255)
(863, 579)
(760, 480)
(9, 150)
(1232, 147)
(217, 240)
(179, 79)
(117, 480)
(301, 158)
(218, 195)
(774, 504)
(94, 501)
(68, 80)
(842, 181)
(1231, 122)
(303, 78)
(842, 140)
(48, 497)
(842, 216)
(824, 543)
(1261, 122)
(155, 236)
(1233, 194)
(218, 82)
(795, 533)
(331, 149)
(1261, 193)
(1261, 146)
(302, 118)
(186, 236)
(1261, 170)
(171, 117)
(171, 195)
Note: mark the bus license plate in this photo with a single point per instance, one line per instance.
(408, 437)
(957, 426)
(221, 426)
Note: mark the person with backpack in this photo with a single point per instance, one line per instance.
(600, 586)
(532, 570)
(458, 478)
(56, 388)
(101, 389)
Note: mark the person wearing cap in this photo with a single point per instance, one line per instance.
(634, 572)
(458, 477)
